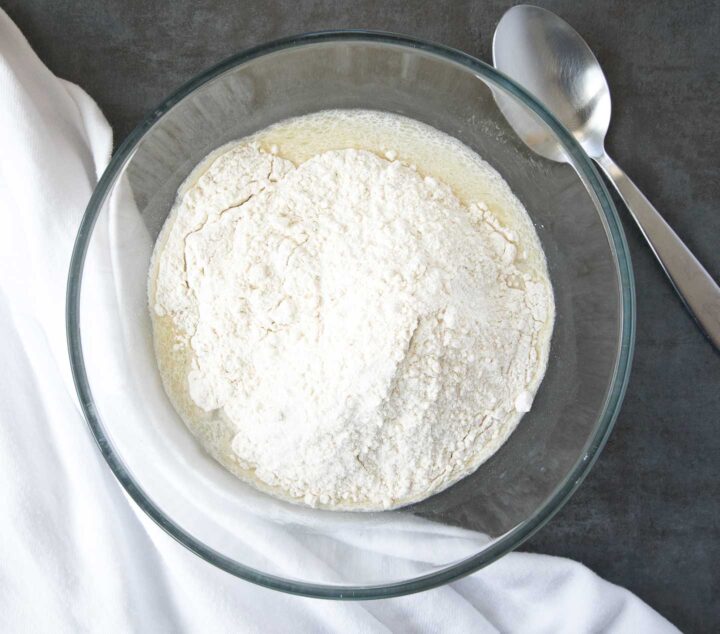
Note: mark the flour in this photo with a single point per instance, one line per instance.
(345, 333)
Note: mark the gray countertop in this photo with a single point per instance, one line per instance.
(648, 515)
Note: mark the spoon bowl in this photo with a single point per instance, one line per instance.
(547, 57)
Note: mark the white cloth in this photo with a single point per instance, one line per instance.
(75, 554)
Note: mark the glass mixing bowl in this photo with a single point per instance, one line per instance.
(314, 552)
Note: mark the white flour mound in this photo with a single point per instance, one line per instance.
(356, 337)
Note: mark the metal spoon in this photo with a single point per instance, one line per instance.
(548, 57)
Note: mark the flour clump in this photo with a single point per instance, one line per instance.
(344, 332)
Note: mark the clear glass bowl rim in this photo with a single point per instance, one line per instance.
(511, 539)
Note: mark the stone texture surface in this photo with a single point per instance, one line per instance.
(648, 515)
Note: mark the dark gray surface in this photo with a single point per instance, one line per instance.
(648, 516)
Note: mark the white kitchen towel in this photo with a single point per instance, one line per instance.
(75, 554)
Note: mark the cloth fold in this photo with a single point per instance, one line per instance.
(76, 555)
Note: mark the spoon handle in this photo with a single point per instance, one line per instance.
(692, 282)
